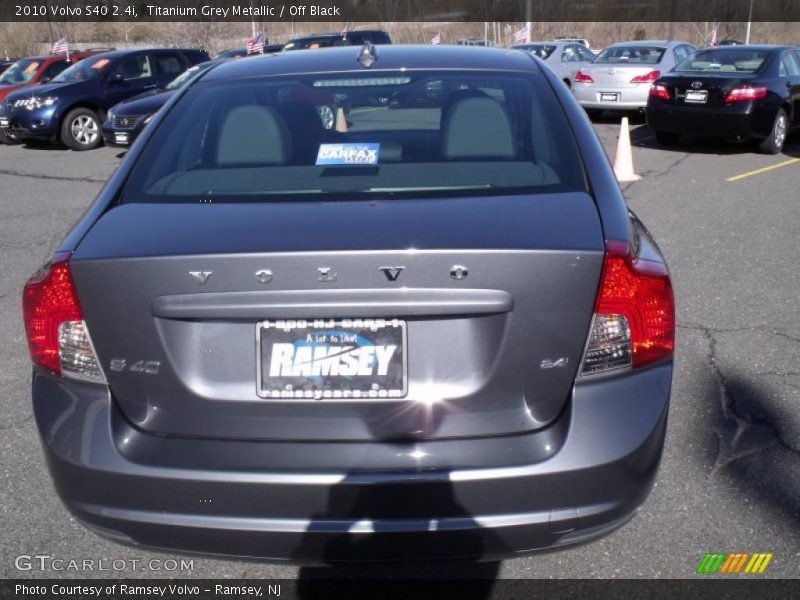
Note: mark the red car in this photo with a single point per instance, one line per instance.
(37, 69)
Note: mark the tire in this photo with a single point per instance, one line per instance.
(780, 128)
(80, 129)
(327, 114)
(667, 138)
(9, 139)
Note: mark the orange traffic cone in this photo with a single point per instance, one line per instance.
(623, 160)
(341, 121)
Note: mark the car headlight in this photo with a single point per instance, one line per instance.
(35, 102)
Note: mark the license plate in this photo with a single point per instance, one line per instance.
(608, 97)
(121, 138)
(698, 97)
(4, 123)
(331, 359)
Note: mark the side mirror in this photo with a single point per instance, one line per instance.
(115, 78)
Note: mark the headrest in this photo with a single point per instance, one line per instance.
(254, 134)
(475, 128)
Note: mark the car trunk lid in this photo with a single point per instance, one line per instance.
(495, 296)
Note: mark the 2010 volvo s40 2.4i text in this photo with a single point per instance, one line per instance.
(433, 330)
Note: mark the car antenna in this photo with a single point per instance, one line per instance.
(368, 54)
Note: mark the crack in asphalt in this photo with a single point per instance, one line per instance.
(666, 171)
(50, 177)
(735, 427)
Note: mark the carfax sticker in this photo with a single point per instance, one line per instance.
(348, 154)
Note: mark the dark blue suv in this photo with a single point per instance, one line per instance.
(73, 105)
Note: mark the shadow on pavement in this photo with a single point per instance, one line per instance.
(359, 505)
(750, 452)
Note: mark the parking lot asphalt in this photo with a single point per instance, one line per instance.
(728, 221)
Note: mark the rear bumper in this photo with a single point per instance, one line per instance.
(589, 96)
(480, 498)
(731, 123)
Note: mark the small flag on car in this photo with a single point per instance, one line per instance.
(714, 29)
(344, 31)
(522, 34)
(60, 46)
(437, 39)
(255, 45)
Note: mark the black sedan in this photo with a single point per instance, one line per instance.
(425, 333)
(736, 92)
(126, 120)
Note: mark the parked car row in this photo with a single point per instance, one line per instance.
(731, 91)
(75, 108)
(71, 107)
(735, 92)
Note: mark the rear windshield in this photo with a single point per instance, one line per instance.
(21, 71)
(631, 54)
(366, 134)
(540, 50)
(725, 61)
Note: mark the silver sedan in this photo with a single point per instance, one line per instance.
(565, 58)
(619, 78)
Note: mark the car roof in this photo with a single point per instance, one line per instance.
(664, 43)
(120, 53)
(765, 47)
(390, 57)
(58, 57)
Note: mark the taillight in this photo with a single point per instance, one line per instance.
(746, 92)
(647, 77)
(658, 90)
(634, 316)
(57, 336)
(583, 78)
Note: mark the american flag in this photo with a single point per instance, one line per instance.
(522, 34)
(255, 45)
(344, 31)
(714, 28)
(437, 39)
(60, 46)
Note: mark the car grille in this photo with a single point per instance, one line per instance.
(127, 121)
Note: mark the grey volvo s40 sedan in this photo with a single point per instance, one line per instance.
(433, 330)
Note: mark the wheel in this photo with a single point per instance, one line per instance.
(81, 129)
(774, 143)
(9, 139)
(667, 138)
(327, 115)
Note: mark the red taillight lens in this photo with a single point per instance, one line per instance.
(48, 300)
(583, 78)
(634, 316)
(641, 291)
(746, 92)
(658, 90)
(647, 77)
